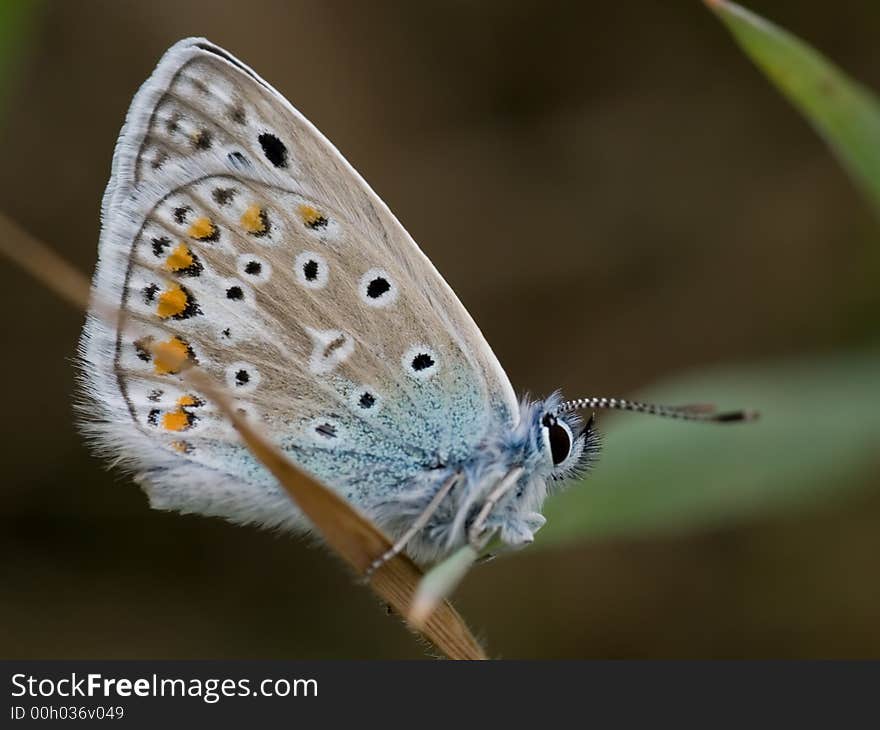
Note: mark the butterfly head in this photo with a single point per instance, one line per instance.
(552, 443)
(511, 476)
(568, 443)
(571, 445)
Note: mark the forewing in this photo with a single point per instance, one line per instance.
(235, 233)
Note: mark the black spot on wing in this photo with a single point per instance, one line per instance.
(160, 243)
(223, 196)
(274, 149)
(377, 287)
(422, 361)
(149, 292)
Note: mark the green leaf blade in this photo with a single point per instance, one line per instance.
(843, 112)
(818, 437)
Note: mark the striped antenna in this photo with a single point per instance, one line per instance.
(696, 412)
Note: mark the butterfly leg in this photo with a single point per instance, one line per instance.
(504, 486)
(419, 523)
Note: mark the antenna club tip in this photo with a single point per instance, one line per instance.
(742, 416)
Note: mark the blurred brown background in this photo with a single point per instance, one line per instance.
(616, 195)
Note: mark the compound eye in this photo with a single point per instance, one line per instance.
(560, 439)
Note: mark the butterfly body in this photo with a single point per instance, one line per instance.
(236, 236)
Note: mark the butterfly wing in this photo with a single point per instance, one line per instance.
(235, 233)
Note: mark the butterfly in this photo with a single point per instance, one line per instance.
(235, 236)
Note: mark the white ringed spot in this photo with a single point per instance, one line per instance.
(253, 268)
(366, 400)
(311, 270)
(377, 288)
(236, 292)
(242, 377)
(420, 362)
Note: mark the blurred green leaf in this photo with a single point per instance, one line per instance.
(845, 113)
(818, 434)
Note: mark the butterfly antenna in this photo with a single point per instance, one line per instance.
(695, 412)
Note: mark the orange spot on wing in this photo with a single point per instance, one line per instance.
(180, 258)
(171, 302)
(169, 357)
(201, 228)
(178, 420)
(182, 446)
(253, 220)
(309, 214)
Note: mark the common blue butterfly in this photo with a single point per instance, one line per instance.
(234, 234)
